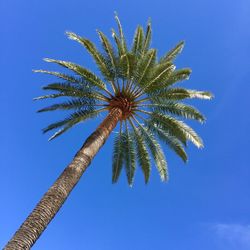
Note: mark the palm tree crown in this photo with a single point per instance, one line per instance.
(142, 87)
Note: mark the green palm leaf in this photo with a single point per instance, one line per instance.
(65, 77)
(156, 151)
(127, 66)
(148, 36)
(72, 120)
(67, 89)
(179, 109)
(171, 55)
(86, 74)
(142, 154)
(129, 156)
(177, 128)
(118, 155)
(98, 57)
(181, 93)
(199, 94)
(118, 43)
(145, 66)
(109, 51)
(160, 74)
(122, 37)
(170, 140)
(138, 42)
(48, 96)
(79, 103)
(175, 77)
(64, 86)
(73, 94)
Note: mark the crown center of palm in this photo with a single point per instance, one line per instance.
(124, 103)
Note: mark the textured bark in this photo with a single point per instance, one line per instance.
(52, 201)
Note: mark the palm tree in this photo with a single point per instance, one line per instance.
(138, 92)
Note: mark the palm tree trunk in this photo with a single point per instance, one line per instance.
(52, 201)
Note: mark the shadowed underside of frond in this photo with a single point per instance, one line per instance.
(142, 86)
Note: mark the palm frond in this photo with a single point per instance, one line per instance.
(98, 57)
(76, 104)
(67, 89)
(129, 156)
(175, 77)
(170, 140)
(122, 37)
(156, 151)
(179, 109)
(65, 77)
(142, 154)
(48, 96)
(86, 74)
(160, 74)
(107, 46)
(118, 43)
(138, 42)
(65, 86)
(118, 155)
(200, 94)
(180, 94)
(148, 36)
(177, 128)
(171, 55)
(145, 66)
(73, 94)
(72, 120)
(127, 66)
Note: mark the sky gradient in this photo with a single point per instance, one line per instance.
(205, 205)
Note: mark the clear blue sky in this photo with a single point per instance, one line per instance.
(205, 205)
